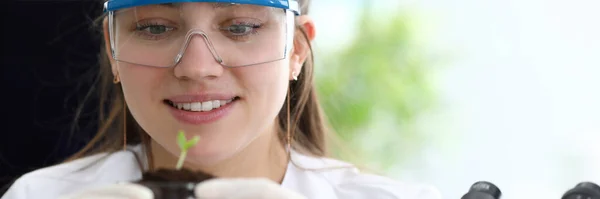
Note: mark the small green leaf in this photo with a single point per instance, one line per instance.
(184, 145)
(181, 140)
(192, 142)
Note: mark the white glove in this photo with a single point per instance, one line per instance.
(220, 188)
(114, 191)
(243, 188)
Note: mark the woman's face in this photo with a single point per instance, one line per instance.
(226, 107)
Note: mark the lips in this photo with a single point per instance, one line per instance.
(200, 109)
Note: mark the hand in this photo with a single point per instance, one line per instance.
(113, 191)
(243, 188)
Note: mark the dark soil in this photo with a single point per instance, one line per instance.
(173, 184)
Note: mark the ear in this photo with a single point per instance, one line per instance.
(301, 49)
(113, 64)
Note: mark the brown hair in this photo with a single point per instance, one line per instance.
(303, 117)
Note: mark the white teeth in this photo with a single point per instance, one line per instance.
(207, 106)
(202, 106)
(196, 106)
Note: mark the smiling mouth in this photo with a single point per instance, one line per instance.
(201, 106)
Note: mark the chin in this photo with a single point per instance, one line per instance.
(207, 155)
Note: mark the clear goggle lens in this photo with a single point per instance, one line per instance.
(234, 35)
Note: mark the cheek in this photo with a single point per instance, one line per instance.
(268, 82)
(265, 77)
(141, 86)
(265, 88)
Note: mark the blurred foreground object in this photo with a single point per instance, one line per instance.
(483, 190)
(583, 190)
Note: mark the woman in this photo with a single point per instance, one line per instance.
(237, 74)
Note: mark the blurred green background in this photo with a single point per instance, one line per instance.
(448, 93)
(373, 90)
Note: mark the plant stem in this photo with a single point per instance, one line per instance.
(181, 159)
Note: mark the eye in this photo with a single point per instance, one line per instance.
(152, 31)
(242, 29)
(156, 29)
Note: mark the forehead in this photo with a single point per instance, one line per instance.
(201, 9)
(213, 5)
(201, 6)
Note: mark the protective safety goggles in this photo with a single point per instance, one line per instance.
(235, 33)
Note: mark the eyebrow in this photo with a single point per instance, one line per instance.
(214, 5)
(222, 5)
(170, 5)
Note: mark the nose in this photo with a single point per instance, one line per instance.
(198, 60)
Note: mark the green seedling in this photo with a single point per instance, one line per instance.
(184, 145)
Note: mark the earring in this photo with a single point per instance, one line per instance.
(124, 124)
(116, 80)
(288, 136)
(295, 75)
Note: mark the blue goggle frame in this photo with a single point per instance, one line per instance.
(112, 5)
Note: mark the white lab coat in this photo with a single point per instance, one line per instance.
(102, 169)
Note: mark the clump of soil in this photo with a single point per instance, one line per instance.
(172, 183)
